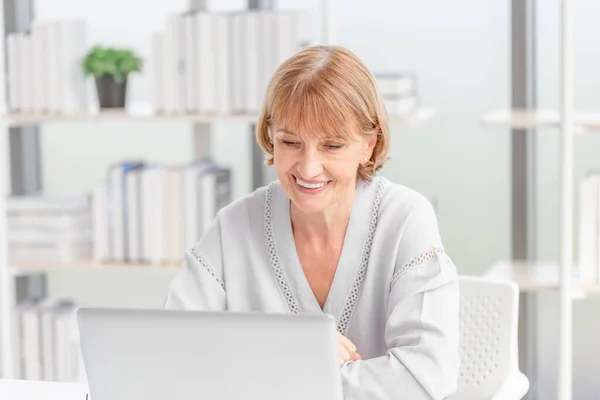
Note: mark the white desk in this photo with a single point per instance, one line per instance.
(38, 390)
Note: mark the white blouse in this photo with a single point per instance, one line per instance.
(394, 294)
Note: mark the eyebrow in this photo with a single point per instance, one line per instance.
(288, 132)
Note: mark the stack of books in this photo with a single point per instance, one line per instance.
(220, 63)
(49, 227)
(44, 70)
(589, 228)
(399, 92)
(47, 344)
(152, 213)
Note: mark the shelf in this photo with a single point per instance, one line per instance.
(584, 121)
(31, 268)
(538, 276)
(120, 115)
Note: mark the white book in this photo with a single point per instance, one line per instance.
(190, 184)
(207, 64)
(13, 43)
(31, 345)
(589, 219)
(65, 364)
(171, 64)
(118, 211)
(72, 79)
(149, 214)
(49, 223)
(61, 345)
(53, 74)
(133, 183)
(292, 34)
(175, 215)
(223, 59)
(46, 315)
(100, 225)
(267, 51)
(39, 38)
(116, 218)
(238, 64)
(193, 226)
(208, 198)
(252, 60)
(214, 192)
(191, 102)
(158, 72)
(45, 202)
(19, 339)
(286, 36)
(160, 241)
(154, 211)
(26, 65)
(180, 66)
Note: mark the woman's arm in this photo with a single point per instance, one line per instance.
(199, 285)
(422, 328)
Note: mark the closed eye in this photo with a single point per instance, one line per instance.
(289, 143)
(334, 146)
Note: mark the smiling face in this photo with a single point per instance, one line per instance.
(323, 126)
(318, 172)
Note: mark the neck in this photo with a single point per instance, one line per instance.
(323, 229)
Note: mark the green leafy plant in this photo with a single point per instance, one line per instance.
(118, 63)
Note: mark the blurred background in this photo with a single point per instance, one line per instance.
(129, 123)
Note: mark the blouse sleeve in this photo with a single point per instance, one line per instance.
(422, 326)
(199, 285)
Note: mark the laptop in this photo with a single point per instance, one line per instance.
(181, 355)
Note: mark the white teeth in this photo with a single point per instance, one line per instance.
(310, 185)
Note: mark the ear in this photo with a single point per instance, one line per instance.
(371, 141)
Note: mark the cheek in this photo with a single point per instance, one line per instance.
(283, 158)
(343, 168)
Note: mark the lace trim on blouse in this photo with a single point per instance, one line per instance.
(435, 252)
(206, 265)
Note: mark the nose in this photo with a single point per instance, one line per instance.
(310, 165)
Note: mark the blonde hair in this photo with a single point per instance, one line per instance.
(325, 90)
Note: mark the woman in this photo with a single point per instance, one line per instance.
(332, 237)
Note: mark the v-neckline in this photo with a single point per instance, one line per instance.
(350, 257)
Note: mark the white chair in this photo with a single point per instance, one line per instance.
(41, 390)
(489, 315)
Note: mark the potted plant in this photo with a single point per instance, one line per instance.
(110, 68)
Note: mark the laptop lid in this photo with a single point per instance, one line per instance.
(176, 355)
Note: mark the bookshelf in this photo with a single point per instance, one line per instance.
(563, 276)
(12, 269)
